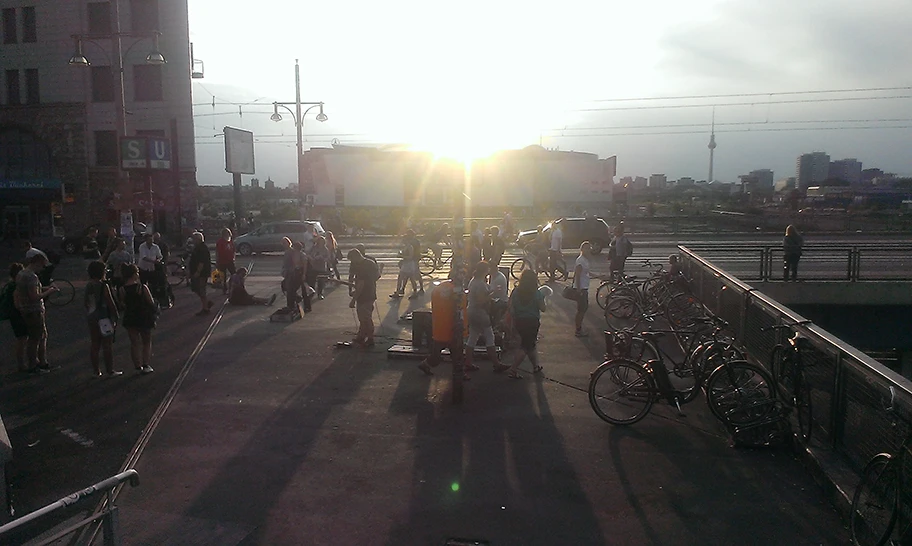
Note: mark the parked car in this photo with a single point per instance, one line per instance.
(268, 237)
(575, 231)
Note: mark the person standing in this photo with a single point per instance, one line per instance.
(318, 265)
(106, 242)
(292, 272)
(307, 240)
(479, 316)
(364, 295)
(557, 241)
(199, 268)
(619, 250)
(90, 250)
(29, 301)
(224, 258)
(119, 256)
(20, 329)
(476, 237)
(99, 305)
(792, 244)
(526, 305)
(581, 283)
(499, 246)
(149, 256)
(335, 254)
(139, 318)
(163, 246)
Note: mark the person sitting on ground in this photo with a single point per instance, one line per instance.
(237, 292)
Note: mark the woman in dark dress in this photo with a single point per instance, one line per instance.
(99, 304)
(791, 248)
(140, 315)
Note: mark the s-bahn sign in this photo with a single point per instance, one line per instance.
(145, 152)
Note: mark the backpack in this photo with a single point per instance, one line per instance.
(6, 300)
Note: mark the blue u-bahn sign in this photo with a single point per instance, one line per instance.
(145, 152)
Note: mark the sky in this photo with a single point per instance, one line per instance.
(463, 79)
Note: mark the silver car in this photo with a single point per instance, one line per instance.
(268, 237)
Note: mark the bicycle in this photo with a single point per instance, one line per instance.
(64, 294)
(539, 263)
(787, 371)
(429, 263)
(633, 386)
(176, 271)
(880, 507)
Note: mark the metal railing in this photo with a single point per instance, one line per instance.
(22, 529)
(850, 391)
(819, 261)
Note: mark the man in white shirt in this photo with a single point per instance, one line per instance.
(498, 283)
(149, 255)
(581, 283)
(308, 238)
(32, 251)
(557, 239)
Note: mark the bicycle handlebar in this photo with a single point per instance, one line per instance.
(786, 326)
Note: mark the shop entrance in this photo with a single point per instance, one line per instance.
(17, 223)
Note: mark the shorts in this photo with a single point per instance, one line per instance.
(35, 324)
(198, 286)
(479, 327)
(582, 301)
(365, 311)
(527, 328)
(20, 328)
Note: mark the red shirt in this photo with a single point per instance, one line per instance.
(224, 252)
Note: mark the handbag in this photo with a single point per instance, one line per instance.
(106, 326)
(570, 293)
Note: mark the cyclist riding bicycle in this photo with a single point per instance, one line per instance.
(438, 240)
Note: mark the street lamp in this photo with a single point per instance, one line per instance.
(154, 57)
(298, 117)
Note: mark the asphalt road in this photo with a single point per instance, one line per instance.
(70, 429)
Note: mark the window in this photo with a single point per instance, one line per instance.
(12, 88)
(147, 82)
(9, 26)
(150, 132)
(144, 15)
(105, 148)
(29, 26)
(23, 155)
(102, 84)
(32, 92)
(99, 18)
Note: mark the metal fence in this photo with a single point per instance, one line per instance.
(819, 261)
(850, 391)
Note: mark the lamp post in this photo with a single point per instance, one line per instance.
(124, 184)
(298, 117)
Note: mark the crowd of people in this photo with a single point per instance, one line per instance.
(307, 265)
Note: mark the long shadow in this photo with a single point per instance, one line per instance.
(494, 469)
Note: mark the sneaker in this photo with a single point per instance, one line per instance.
(115, 373)
(321, 297)
(396, 295)
(39, 370)
(146, 369)
(272, 300)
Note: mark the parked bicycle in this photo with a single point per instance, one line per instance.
(64, 294)
(176, 270)
(539, 263)
(787, 369)
(880, 506)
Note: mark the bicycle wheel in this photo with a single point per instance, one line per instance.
(804, 410)
(427, 265)
(709, 356)
(64, 295)
(623, 314)
(176, 273)
(601, 295)
(740, 393)
(782, 368)
(683, 311)
(875, 501)
(518, 266)
(621, 392)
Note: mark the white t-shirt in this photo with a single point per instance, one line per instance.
(557, 237)
(146, 252)
(308, 240)
(477, 288)
(582, 282)
(499, 286)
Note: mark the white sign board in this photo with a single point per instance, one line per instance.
(239, 151)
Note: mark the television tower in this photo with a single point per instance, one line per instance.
(712, 146)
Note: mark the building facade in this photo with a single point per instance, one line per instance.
(811, 169)
(847, 170)
(345, 176)
(657, 181)
(59, 147)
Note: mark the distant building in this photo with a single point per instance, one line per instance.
(254, 182)
(784, 184)
(811, 169)
(270, 185)
(847, 170)
(657, 181)
(764, 178)
(869, 175)
(685, 182)
(352, 176)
